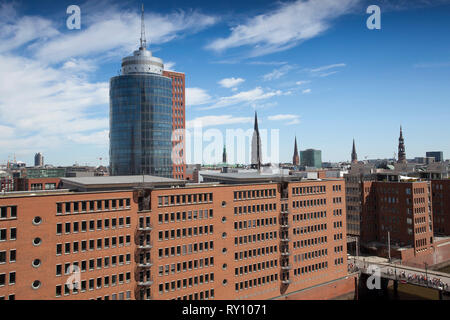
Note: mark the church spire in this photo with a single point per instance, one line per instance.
(354, 155)
(256, 146)
(295, 158)
(401, 148)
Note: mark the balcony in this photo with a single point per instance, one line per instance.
(285, 225)
(145, 228)
(145, 246)
(145, 264)
(286, 281)
(285, 253)
(285, 239)
(145, 283)
(286, 267)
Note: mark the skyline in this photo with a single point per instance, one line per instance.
(318, 85)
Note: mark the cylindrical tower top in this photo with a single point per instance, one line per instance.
(142, 61)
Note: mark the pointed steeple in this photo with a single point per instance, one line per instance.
(401, 148)
(354, 155)
(224, 155)
(256, 146)
(295, 158)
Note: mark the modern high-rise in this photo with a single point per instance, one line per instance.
(38, 160)
(311, 158)
(437, 155)
(147, 117)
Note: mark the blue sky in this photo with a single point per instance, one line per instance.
(309, 68)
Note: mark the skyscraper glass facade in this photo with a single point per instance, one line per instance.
(141, 124)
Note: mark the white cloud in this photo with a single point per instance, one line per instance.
(302, 82)
(209, 121)
(113, 32)
(277, 73)
(331, 66)
(244, 97)
(306, 91)
(196, 96)
(231, 82)
(169, 65)
(289, 118)
(284, 27)
(43, 105)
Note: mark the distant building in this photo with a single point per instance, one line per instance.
(38, 160)
(311, 158)
(35, 173)
(437, 155)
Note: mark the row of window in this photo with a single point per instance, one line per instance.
(253, 283)
(242, 270)
(253, 238)
(309, 216)
(75, 227)
(337, 200)
(311, 268)
(255, 252)
(309, 229)
(187, 282)
(337, 187)
(185, 232)
(310, 255)
(309, 203)
(337, 224)
(256, 208)
(12, 234)
(203, 295)
(338, 249)
(98, 244)
(11, 278)
(185, 216)
(254, 194)
(12, 256)
(338, 261)
(338, 236)
(309, 242)
(185, 266)
(9, 212)
(98, 283)
(256, 223)
(185, 249)
(337, 212)
(308, 190)
(183, 199)
(92, 206)
(93, 264)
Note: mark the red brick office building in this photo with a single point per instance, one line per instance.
(178, 119)
(251, 237)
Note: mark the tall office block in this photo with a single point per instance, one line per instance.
(437, 155)
(141, 116)
(38, 160)
(178, 122)
(311, 158)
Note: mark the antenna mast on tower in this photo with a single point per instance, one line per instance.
(143, 41)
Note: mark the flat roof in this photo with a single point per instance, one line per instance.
(118, 182)
(248, 177)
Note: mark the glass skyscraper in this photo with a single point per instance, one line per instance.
(141, 117)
